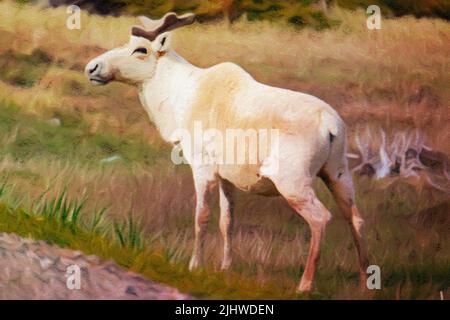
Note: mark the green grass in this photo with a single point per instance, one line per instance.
(57, 223)
(26, 135)
(21, 69)
(417, 272)
(62, 209)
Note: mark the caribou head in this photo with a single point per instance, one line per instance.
(136, 61)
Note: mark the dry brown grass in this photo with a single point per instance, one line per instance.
(397, 76)
(406, 229)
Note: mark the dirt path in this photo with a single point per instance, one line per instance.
(32, 269)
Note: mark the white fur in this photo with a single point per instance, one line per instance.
(312, 138)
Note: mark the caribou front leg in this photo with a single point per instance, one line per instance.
(203, 185)
(226, 220)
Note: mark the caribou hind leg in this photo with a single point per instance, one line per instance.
(307, 205)
(341, 186)
(338, 178)
(302, 198)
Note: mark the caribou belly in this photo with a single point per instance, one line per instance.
(247, 178)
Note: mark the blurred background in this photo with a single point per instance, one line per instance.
(297, 12)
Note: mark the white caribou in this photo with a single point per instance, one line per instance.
(311, 140)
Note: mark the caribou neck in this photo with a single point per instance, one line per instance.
(168, 96)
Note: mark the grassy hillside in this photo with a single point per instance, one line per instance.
(394, 77)
(128, 251)
(95, 149)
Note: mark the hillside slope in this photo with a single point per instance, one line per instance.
(36, 270)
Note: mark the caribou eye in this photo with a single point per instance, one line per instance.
(140, 50)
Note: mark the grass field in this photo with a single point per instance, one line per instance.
(94, 149)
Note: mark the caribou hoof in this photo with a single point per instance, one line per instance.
(225, 265)
(304, 287)
(194, 264)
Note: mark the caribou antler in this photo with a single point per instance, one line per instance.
(384, 166)
(365, 150)
(169, 22)
(363, 147)
(401, 156)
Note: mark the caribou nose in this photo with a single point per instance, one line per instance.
(93, 67)
(92, 70)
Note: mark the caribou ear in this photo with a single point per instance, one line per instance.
(162, 43)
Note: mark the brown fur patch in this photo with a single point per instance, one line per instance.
(160, 54)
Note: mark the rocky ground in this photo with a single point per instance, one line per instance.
(32, 269)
